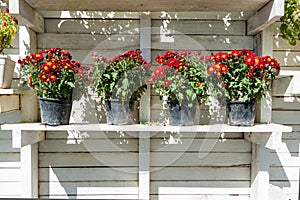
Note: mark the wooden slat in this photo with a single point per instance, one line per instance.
(155, 5)
(88, 174)
(174, 144)
(208, 43)
(88, 26)
(87, 41)
(88, 159)
(164, 159)
(70, 188)
(89, 145)
(194, 197)
(154, 15)
(287, 58)
(199, 27)
(9, 103)
(284, 159)
(6, 146)
(286, 117)
(286, 103)
(284, 173)
(200, 173)
(10, 117)
(10, 157)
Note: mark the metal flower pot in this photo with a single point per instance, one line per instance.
(55, 111)
(119, 112)
(241, 113)
(181, 115)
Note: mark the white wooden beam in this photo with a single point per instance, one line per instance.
(27, 15)
(145, 46)
(23, 138)
(144, 165)
(29, 171)
(265, 16)
(260, 172)
(269, 140)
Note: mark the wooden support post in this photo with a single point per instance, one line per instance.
(260, 172)
(144, 165)
(29, 171)
(145, 46)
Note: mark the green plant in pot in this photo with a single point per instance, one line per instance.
(119, 83)
(245, 79)
(54, 75)
(180, 77)
(8, 30)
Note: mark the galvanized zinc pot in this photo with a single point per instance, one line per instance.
(55, 112)
(241, 113)
(181, 115)
(119, 112)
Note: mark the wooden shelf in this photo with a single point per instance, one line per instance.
(268, 135)
(15, 91)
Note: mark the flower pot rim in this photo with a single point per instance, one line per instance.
(241, 102)
(53, 99)
(118, 100)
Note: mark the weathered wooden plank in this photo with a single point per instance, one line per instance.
(195, 197)
(6, 146)
(166, 136)
(287, 58)
(9, 103)
(90, 135)
(292, 136)
(161, 159)
(10, 117)
(87, 41)
(154, 15)
(202, 191)
(90, 145)
(284, 159)
(88, 174)
(265, 16)
(172, 144)
(10, 157)
(92, 26)
(286, 86)
(88, 159)
(286, 117)
(284, 173)
(155, 5)
(27, 15)
(199, 27)
(11, 189)
(286, 103)
(280, 44)
(200, 173)
(5, 134)
(10, 175)
(208, 43)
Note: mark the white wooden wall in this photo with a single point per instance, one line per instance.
(285, 162)
(105, 165)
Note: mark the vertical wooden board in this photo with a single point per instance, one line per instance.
(9, 103)
(199, 27)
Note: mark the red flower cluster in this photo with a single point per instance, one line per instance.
(180, 75)
(245, 75)
(52, 69)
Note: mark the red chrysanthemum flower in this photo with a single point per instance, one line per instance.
(43, 77)
(173, 62)
(52, 77)
(45, 68)
(38, 56)
(224, 69)
(235, 53)
(211, 69)
(167, 83)
(249, 60)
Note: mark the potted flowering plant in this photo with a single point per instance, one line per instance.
(8, 30)
(120, 82)
(245, 78)
(53, 74)
(180, 76)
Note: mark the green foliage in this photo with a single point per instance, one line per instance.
(290, 22)
(8, 29)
